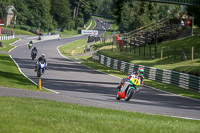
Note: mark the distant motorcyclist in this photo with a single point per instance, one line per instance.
(140, 73)
(34, 51)
(41, 60)
(30, 44)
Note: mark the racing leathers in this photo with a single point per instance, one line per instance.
(42, 60)
(141, 77)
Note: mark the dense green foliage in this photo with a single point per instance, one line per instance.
(47, 15)
(133, 14)
(195, 11)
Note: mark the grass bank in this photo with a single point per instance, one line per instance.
(73, 48)
(6, 44)
(11, 77)
(20, 32)
(92, 25)
(49, 116)
(171, 57)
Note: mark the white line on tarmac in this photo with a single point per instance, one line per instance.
(13, 45)
(28, 77)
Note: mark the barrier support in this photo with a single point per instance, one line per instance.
(39, 84)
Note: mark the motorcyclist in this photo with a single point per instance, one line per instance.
(42, 60)
(30, 44)
(34, 51)
(140, 73)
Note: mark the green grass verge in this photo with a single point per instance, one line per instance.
(191, 67)
(35, 115)
(6, 47)
(93, 25)
(73, 48)
(11, 77)
(20, 32)
(196, 30)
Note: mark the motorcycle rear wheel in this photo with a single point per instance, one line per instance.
(129, 94)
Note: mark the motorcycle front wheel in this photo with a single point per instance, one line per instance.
(129, 94)
(117, 97)
(39, 73)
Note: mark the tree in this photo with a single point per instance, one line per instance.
(4, 7)
(34, 13)
(194, 11)
(60, 10)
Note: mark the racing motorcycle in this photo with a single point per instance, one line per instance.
(33, 55)
(40, 69)
(128, 88)
(30, 45)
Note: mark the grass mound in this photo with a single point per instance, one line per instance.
(171, 59)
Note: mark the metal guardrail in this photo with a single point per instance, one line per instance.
(181, 80)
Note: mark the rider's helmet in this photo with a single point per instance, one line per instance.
(141, 71)
(43, 55)
(34, 48)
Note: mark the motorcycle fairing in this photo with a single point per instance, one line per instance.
(124, 87)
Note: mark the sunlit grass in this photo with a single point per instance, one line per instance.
(171, 63)
(11, 77)
(44, 116)
(73, 48)
(6, 47)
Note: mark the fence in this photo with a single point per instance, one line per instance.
(182, 80)
(7, 37)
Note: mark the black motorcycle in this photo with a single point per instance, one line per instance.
(33, 55)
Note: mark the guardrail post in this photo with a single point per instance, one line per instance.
(161, 53)
(175, 53)
(39, 84)
(168, 52)
(192, 53)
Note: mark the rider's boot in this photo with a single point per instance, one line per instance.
(42, 71)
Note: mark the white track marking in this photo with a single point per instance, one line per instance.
(13, 45)
(28, 77)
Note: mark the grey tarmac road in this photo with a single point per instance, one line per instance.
(81, 85)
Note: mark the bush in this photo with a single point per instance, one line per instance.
(24, 27)
(16, 26)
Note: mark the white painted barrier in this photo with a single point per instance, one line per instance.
(50, 37)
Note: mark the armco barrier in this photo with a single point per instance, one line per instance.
(7, 37)
(181, 80)
(50, 37)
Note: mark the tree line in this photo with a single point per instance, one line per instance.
(50, 14)
(72, 14)
(130, 14)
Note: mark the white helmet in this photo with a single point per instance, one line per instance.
(43, 55)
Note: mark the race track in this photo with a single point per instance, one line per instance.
(78, 84)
